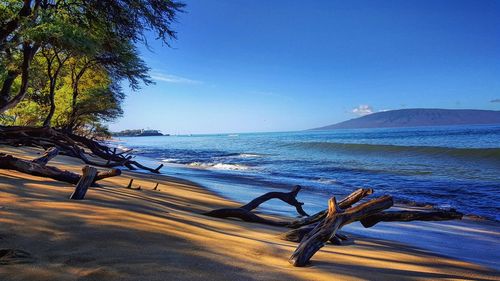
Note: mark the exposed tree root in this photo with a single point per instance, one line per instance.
(71, 145)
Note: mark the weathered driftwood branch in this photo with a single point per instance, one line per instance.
(289, 198)
(244, 215)
(107, 174)
(345, 203)
(29, 167)
(308, 223)
(83, 184)
(440, 215)
(315, 231)
(47, 156)
(335, 218)
(140, 166)
(296, 235)
(244, 212)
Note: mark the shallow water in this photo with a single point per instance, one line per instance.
(449, 167)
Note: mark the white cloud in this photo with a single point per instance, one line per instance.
(495, 100)
(362, 110)
(169, 78)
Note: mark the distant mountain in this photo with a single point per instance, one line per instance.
(419, 117)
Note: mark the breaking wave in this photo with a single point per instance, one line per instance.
(219, 166)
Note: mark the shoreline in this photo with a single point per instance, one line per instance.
(320, 163)
(470, 239)
(123, 234)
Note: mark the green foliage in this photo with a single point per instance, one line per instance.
(83, 49)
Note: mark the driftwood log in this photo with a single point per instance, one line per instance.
(29, 167)
(297, 234)
(440, 215)
(345, 203)
(335, 219)
(245, 212)
(313, 232)
(107, 174)
(88, 175)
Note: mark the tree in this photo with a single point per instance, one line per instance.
(55, 62)
(24, 30)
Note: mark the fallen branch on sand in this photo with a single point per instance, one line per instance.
(313, 232)
(33, 168)
(245, 212)
(440, 215)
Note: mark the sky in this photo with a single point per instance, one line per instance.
(261, 66)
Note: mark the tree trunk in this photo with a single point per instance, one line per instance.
(73, 115)
(53, 75)
(83, 184)
(7, 87)
(52, 90)
(9, 27)
(28, 54)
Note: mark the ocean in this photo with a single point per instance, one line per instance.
(444, 167)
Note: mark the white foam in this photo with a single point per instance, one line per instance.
(219, 166)
(222, 166)
(327, 181)
(249, 155)
(122, 147)
(169, 160)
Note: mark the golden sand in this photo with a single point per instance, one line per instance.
(122, 234)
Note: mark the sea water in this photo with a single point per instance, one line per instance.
(446, 167)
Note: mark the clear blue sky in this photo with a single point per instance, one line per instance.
(252, 66)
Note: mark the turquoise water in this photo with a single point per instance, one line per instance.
(447, 167)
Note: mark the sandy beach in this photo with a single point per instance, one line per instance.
(123, 234)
